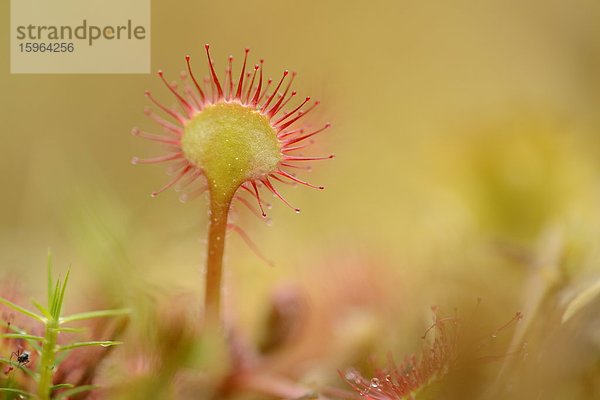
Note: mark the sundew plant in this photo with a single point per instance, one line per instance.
(232, 138)
(434, 267)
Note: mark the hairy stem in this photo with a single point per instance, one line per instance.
(219, 210)
(48, 360)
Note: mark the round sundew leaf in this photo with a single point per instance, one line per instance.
(231, 144)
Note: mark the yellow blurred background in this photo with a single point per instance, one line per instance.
(465, 134)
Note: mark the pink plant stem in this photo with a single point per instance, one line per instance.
(219, 210)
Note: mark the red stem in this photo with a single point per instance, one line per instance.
(219, 210)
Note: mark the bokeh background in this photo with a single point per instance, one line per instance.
(467, 166)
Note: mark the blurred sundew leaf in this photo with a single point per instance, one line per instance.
(520, 173)
(585, 297)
